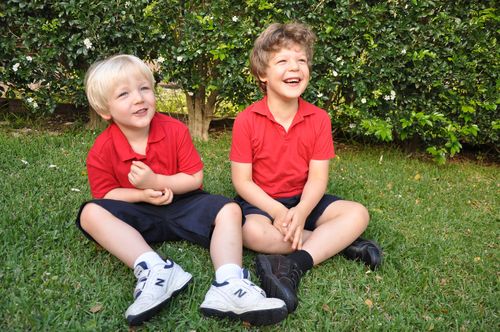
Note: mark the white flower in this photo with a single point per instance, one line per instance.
(352, 125)
(335, 73)
(363, 100)
(87, 43)
(393, 94)
(24, 162)
(29, 100)
(235, 19)
(320, 95)
(403, 51)
(35, 105)
(339, 59)
(52, 166)
(29, 58)
(160, 59)
(15, 67)
(75, 189)
(387, 97)
(179, 58)
(190, 93)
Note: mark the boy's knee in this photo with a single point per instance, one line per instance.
(253, 232)
(89, 215)
(230, 212)
(362, 214)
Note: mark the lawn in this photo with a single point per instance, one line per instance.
(438, 226)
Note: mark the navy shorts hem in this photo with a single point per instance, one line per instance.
(290, 202)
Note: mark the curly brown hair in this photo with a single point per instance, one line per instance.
(276, 37)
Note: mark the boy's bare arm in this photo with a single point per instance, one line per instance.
(314, 189)
(132, 195)
(241, 174)
(142, 177)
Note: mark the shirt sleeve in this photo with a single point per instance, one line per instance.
(189, 160)
(100, 175)
(241, 147)
(323, 148)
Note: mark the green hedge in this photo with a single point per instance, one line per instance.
(408, 71)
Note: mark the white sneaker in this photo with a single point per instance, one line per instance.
(154, 289)
(241, 299)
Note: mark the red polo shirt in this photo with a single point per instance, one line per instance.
(280, 159)
(169, 151)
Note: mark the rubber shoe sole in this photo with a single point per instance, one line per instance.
(273, 286)
(136, 320)
(254, 318)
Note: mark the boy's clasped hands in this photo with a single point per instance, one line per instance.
(143, 177)
(290, 223)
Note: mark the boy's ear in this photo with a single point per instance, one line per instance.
(106, 117)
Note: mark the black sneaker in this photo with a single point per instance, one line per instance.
(279, 277)
(364, 250)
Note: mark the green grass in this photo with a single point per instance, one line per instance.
(438, 226)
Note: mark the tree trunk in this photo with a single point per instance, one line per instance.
(200, 112)
(95, 121)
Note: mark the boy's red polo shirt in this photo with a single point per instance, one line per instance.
(280, 159)
(169, 151)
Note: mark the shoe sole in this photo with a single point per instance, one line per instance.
(136, 320)
(272, 286)
(254, 318)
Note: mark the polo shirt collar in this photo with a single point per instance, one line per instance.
(122, 146)
(301, 112)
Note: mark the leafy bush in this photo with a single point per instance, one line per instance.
(407, 71)
(419, 70)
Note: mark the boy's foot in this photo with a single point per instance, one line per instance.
(364, 250)
(154, 289)
(241, 299)
(279, 277)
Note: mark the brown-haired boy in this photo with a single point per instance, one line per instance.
(280, 156)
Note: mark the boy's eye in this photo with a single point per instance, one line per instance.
(145, 88)
(122, 94)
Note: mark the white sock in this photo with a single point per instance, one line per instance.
(151, 258)
(228, 271)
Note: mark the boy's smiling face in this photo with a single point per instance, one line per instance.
(287, 73)
(131, 103)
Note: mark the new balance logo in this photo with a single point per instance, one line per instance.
(240, 292)
(159, 282)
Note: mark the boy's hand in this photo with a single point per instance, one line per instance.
(280, 219)
(156, 197)
(295, 228)
(141, 176)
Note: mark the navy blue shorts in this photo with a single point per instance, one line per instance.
(190, 217)
(290, 202)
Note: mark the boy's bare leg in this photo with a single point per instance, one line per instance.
(226, 242)
(261, 236)
(126, 243)
(340, 224)
(233, 295)
(156, 284)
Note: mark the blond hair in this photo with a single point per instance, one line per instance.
(103, 76)
(274, 38)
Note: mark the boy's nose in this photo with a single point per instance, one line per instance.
(138, 97)
(293, 65)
